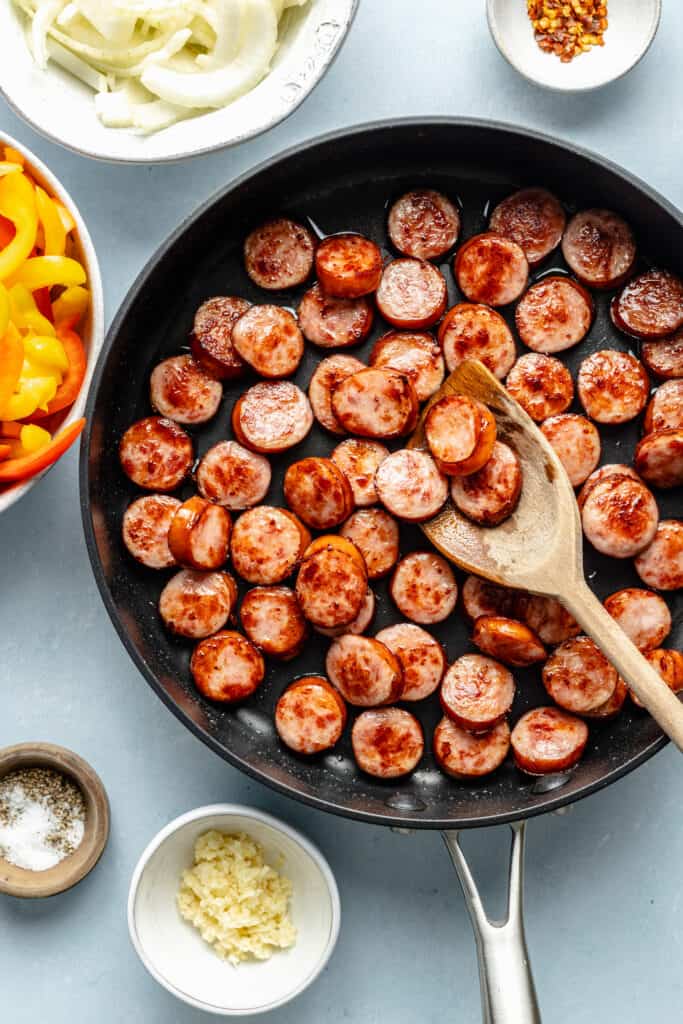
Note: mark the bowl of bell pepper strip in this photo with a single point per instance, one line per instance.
(51, 320)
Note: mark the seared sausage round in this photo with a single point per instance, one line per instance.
(376, 402)
(416, 355)
(279, 254)
(197, 604)
(665, 410)
(271, 416)
(348, 266)
(273, 621)
(146, 523)
(547, 740)
(643, 616)
(599, 248)
(227, 667)
(211, 338)
(669, 665)
(534, 219)
(182, 390)
(555, 314)
(424, 224)
(664, 358)
(310, 716)
(387, 742)
(410, 485)
(491, 269)
(477, 692)
(317, 491)
(659, 458)
(479, 597)
(375, 534)
(461, 433)
(199, 535)
(509, 641)
(620, 517)
(156, 454)
(660, 565)
(267, 544)
(490, 495)
(423, 588)
(466, 756)
(422, 658)
(328, 374)
(541, 384)
(232, 476)
(359, 461)
(359, 624)
(412, 294)
(471, 331)
(330, 322)
(332, 583)
(610, 469)
(366, 673)
(613, 706)
(578, 676)
(650, 306)
(576, 443)
(549, 620)
(613, 386)
(268, 338)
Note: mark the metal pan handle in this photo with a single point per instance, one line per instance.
(507, 987)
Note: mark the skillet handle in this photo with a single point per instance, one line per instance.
(507, 987)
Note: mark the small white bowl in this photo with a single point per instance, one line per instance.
(175, 954)
(632, 27)
(62, 108)
(92, 329)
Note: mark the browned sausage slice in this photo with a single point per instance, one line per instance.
(199, 535)
(664, 358)
(461, 433)
(576, 442)
(534, 219)
(643, 616)
(146, 523)
(463, 756)
(271, 417)
(477, 692)
(366, 673)
(508, 641)
(232, 476)
(416, 355)
(578, 676)
(376, 402)
(547, 740)
(490, 495)
(273, 621)
(541, 384)
(410, 485)
(156, 454)
(554, 315)
(599, 248)
(659, 458)
(211, 339)
(424, 224)
(317, 491)
(422, 658)
(279, 254)
(491, 269)
(359, 624)
(549, 620)
(660, 565)
(613, 706)
(348, 266)
(197, 604)
(182, 390)
(267, 544)
(227, 667)
(375, 534)
(610, 469)
(620, 517)
(412, 294)
(268, 338)
(669, 664)
(359, 462)
(613, 386)
(650, 306)
(423, 588)
(310, 716)
(332, 583)
(479, 597)
(470, 331)
(334, 323)
(328, 374)
(665, 410)
(387, 743)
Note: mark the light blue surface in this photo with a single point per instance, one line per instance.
(603, 881)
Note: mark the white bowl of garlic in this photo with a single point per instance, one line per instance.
(140, 81)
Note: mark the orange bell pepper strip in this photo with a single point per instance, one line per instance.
(5, 451)
(11, 362)
(68, 390)
(10, 428)
(13, 470)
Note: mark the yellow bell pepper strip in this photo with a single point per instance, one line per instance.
(34, 393)
(71, 305)
(33, 438)
(8, 168)
(14, 156)
(69, 389)
(53, 229)
(66, 218)
(47, 354)
(25, 312)
(46, 271)
(11, 362)
(13, 470)
(18, 205)
(5, 310)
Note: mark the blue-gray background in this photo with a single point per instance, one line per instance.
(604, 880)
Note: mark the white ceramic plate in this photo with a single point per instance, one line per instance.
(632, 27)
(62, 108)
(175, 954)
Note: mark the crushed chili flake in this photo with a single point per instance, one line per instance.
(568, 28)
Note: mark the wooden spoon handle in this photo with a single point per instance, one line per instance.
(645, 682)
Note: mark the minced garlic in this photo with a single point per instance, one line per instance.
(568, 27)
(239, 904)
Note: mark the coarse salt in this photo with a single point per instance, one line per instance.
(42, 818)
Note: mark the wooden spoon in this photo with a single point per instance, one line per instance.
(540, 547)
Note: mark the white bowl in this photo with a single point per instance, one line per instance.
(92, 329)
(632, 27)
(62, 108)
(174, 952)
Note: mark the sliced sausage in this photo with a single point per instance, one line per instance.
(375, 534)
(267, 544)
(328, 374)
(423, 588)
(578, 676)
(610, 469)
(366, 673)
(650, 306)
(477, 692)
(422, 658)
(547, 740)
(271, 416)
(491, 269)
(613, 386)
(359, 624)
(659, 458)
(156, 454)
(508, 640)
(490, 495)
(471, 331)
(664, 358)
(620, 517)
(410, 485)
(317, 491)
(412, 294)
(348, 266)
(359, 462)
(232, 476)
(182, 390)
(146, 523)
(279, 254)
(211, 338)
(576, 443)
(643, 616)
(227, 667)
(599, 248)
(555, 314)
(660, 565)
(465, 756)
(541, 384)
(376, 402)
(273, 621)
(424, 224)
(387, 743)
(479, 597)
(461, 433)
(669, 665)
(268, 338)
(330, 322)
(613, 706)
(332, 583)
(310, 716)
(549, 620)
(416, 355)
(199, 535)
(197, 604)
(533, 218)
(665, 411)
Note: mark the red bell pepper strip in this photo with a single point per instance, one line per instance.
(68, 390)
(12, 470)
(42, 301)
(7, 232)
